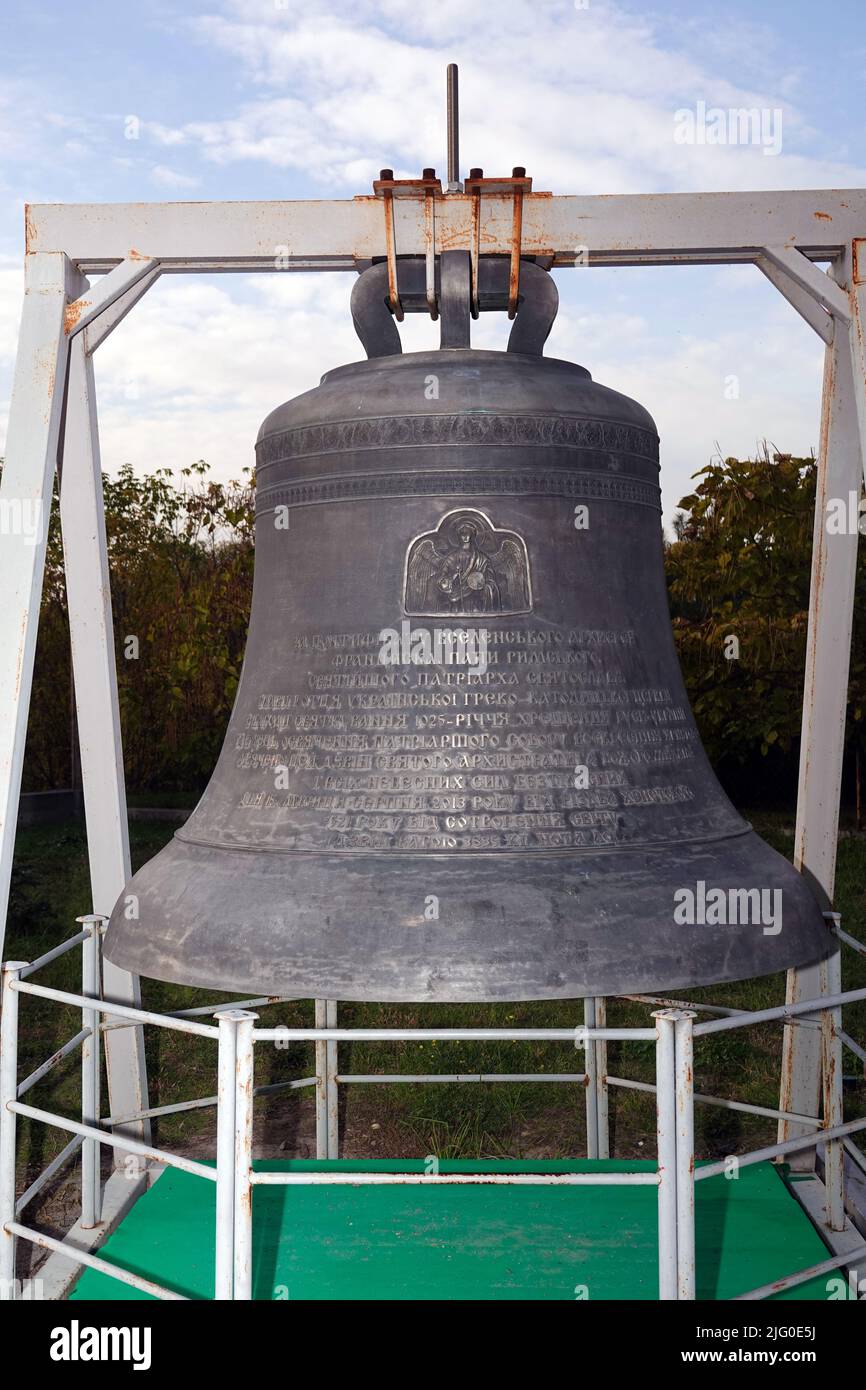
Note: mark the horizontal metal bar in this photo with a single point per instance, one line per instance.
(233, 1004)
(624, 229)
(68, 1151)
(114, 1141)
(850, 940)
(855, 1154)
(203, 1104)
(577, 1033)
(53, 954)
(397, 1077)
(852, 1045)
(790, 1146)
(142, 1016)
(601, 1179)
(83, 1257)
(721, 1102)
(784, 1011)
(802, 1276)
(659, 1003)
(57, 1057)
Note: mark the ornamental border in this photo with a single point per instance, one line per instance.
(373, 486)
(481, 430)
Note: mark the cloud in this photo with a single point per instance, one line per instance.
(170, 178)
(586, 99)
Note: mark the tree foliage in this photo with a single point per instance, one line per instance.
(739, 567)
(181, 560)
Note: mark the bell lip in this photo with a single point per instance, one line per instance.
(350, 994)
(569, 935)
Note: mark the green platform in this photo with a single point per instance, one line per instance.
(474, 1242)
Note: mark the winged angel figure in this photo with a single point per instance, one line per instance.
(466, 567)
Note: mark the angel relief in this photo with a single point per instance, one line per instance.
(466, 567)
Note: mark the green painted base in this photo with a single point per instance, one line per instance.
(464, 1243)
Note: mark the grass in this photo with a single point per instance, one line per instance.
(523, 1120)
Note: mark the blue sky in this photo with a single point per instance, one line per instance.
(265, 99)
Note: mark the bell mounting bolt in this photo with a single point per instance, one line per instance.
(429, 187)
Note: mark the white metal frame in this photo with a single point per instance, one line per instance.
(233, 1029)
(784, 234)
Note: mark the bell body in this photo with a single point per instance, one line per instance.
(520, 809)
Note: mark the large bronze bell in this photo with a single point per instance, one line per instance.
(461, 764)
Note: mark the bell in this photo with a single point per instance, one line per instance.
(461, 765)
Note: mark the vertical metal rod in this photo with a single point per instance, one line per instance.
(8, 1092)
(831, 1058)
(601, 1089)
(321, 1083)
(666, 1135)
(430, 252)
(685, 1104)
(453, 120)
(590, 1091)
(225, 1156)
(331, 1083)
(91, 1153)
(243, 1204)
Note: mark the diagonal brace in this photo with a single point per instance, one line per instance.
(80, 312)
(807, 277)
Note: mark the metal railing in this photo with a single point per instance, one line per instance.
(673, 1032)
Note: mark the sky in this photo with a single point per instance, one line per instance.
(269, 99)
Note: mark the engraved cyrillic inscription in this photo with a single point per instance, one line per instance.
(407, 758)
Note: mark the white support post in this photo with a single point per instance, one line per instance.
(243, 1194)
(8, 1093)
(321, 1050)
(25, 507)
(666, 1137)
(225, 1182)
(90, 1074)
(331, 1083)
(831, 603)
(685, 1119)
(95, 677)
(857, 335)
(601, 1087)
(590, 1094)
(831, 1058)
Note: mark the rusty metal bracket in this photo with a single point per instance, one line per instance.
(428, 187)
(517, 185)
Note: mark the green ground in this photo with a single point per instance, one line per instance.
(50, 887)
(473, 1242)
